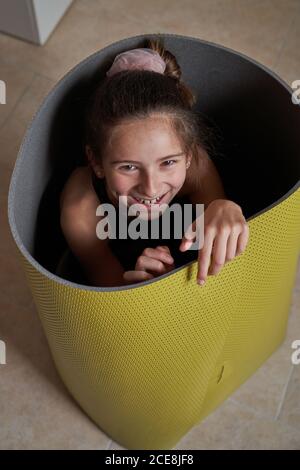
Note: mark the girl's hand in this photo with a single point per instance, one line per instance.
(151, 263)
(226, 235)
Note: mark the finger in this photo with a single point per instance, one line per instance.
(185, 244)
(205, 256)
(163, 247)
(232, 245)
(145, 263)
(135, 276)
(242, 240)
(168, 258)
(219, 252)
(158, 254)
(188, 238)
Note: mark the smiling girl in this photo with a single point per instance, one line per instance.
(144, 141)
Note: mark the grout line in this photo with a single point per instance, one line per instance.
(109, 444)
(20, 65)
(261, 415)
(280, 406)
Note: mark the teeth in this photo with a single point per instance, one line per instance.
(147, 202)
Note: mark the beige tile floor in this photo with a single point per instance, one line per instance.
(36, 411)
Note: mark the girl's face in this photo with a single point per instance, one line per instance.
(144, 161)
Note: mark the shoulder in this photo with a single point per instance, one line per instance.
(78, 205)
(78, 188)
(78, 221)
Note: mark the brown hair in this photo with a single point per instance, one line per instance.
(137, 94)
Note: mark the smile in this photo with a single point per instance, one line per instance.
(150, 202)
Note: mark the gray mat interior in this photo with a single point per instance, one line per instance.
(249, 106)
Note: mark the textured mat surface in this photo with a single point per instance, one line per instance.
(147, 363)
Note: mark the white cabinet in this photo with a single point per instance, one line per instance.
(32, 20)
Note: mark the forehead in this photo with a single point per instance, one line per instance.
(150, 131)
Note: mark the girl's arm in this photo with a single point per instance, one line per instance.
(226, 231)
(100, 265)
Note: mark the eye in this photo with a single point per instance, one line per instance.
(127, 167)
(167, 161)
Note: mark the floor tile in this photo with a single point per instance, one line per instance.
(233, 427)
(36, 410)
(17, 81)
(288, 64)
(290, 412)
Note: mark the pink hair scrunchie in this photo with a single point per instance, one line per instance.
(137, 59)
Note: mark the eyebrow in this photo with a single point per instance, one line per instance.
(159, 160)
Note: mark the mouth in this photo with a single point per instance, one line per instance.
(150, 204)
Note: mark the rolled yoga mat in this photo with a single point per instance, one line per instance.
(149, 361)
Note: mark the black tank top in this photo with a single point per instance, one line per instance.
(128, 250)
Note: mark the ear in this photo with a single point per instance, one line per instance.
(189, 160)
(89, 154)
(93, 163)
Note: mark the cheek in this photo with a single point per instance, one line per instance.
(119, 184)
(177, 178)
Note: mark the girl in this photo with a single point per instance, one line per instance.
(143, 141)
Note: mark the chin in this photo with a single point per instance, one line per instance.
(151, 215)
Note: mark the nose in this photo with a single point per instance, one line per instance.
(149, 187)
